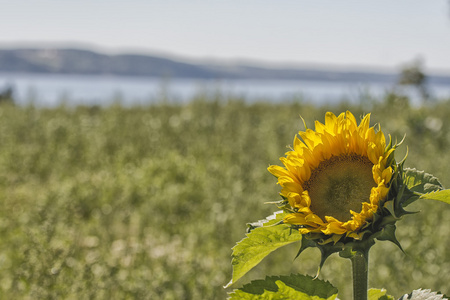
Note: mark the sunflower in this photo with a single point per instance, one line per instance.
(336, 177)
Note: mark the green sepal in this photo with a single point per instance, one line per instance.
(388, 234)
(389, 145)
(399, 194)
(391, 159)
(408, 197)
(287, 287)
(390, 206)
(345, 250)
(326, 251)
(305, 244)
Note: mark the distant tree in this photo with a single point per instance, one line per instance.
(6, 95)
(412, 74)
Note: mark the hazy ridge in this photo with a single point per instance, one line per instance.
(85, 62)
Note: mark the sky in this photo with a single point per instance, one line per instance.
(381, 34)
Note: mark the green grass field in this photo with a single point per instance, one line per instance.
(146, 202)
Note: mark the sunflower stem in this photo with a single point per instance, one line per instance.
(360, 266)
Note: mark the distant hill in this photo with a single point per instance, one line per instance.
(75, 61)
(71, 61)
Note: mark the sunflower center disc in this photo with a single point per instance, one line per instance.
(340, 184)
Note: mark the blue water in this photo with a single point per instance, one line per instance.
(51, 90)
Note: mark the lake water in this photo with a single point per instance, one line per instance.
(51, 90)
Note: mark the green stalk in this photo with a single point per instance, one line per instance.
(360, 266)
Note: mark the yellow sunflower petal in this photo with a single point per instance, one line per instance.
(339, 160)
(277, 171)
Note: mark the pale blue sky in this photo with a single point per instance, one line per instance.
(380, 34)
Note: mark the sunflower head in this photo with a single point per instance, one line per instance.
(339, 183)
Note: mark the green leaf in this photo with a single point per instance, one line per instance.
(421, 294)
(443, 196)
(421, 182)
(286, 287)
(275, 218)
(258, 244)
(376, 294)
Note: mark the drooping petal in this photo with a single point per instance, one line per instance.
(277, 171)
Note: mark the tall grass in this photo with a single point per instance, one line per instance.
(146, 202)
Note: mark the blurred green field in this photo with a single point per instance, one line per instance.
(146, 202)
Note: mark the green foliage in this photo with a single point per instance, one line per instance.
(273, 219)
(146, 202)
(421, 182)
(376, 294)
(443, 196)
(422, 294)
(286, 287)
(259, 243)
